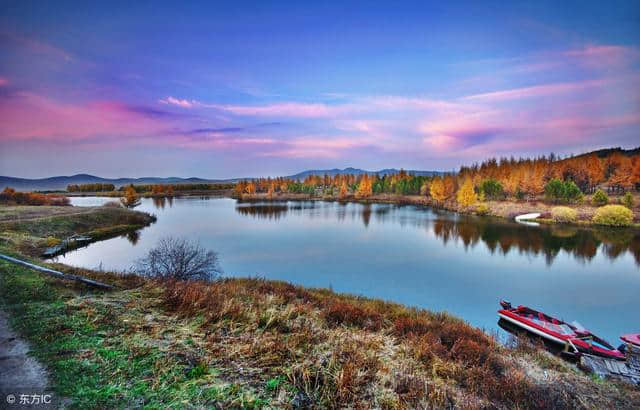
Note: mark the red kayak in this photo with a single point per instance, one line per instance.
(557, 331)
(632, 338)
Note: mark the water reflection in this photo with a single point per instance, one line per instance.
(504, 237)
(263, 211)
(498, 235)
(161, 202)
(133, 237)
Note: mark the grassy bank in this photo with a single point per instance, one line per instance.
(31, 229)
(254, 343)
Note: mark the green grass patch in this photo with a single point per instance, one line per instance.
(99, 361)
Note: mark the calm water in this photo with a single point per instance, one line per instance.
(412, 255)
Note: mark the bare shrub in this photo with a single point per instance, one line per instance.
(179, 259)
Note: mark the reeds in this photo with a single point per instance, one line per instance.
(346, 351)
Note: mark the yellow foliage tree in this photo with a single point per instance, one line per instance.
(251, 188)
(437, 189)
(130, 198)
(466, 195)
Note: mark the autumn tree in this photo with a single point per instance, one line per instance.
(250, 188)
(594, 170)
(623, 175)
(466, 195)
(635, 172)
(238, 190)
(365, 187)
(450, 186)
(343, 189)
(130, 198)
(437, 189)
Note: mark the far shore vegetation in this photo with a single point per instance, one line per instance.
(159, 342)
(504, 187)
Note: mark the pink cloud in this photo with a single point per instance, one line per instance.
(536, 91)
(313, 147)
(34, 46)
(27, 115)
(220, 141)
(3, 81)
(604, 55)
(180, 103)
(287, 109)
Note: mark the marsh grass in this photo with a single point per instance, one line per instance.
(346, 351)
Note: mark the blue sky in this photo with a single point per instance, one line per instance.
(270, 88)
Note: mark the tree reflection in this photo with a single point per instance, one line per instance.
(366, 215)
(498, 235)
(503, 236)
(133, 237)
(263, 210)
(159, 202)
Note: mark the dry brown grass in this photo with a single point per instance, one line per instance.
(345, 351)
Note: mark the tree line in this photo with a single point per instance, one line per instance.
(145, 188)
(9, 196)
(91, 187)
(171, 188)
(558, 180)
(341, 185)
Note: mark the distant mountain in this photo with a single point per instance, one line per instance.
(603, 153)
(61, 182)
(358, 171)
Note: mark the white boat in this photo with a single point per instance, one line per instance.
(525, 219)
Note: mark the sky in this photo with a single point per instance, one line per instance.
(242, 89)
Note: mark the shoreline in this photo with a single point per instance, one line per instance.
(505, 209)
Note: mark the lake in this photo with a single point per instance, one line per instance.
(416, 256)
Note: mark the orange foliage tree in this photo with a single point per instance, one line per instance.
(365, 188)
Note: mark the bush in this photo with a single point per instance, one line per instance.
(180, 259)
(563, 191)
(600, 198)
(492, 189)
(51, 241)
(482, 209)
(613, 215)
(627, 200)
(564, 214)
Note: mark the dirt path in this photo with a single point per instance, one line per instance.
(19, 372)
